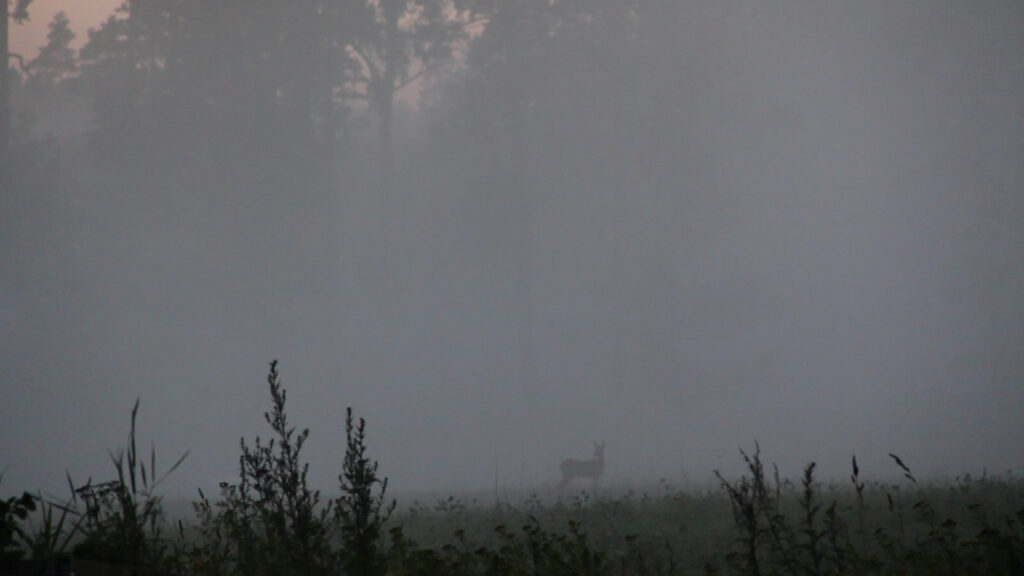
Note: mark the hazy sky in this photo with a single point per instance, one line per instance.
(27, 37)
(836, 267)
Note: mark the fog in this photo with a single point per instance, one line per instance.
(677, 228)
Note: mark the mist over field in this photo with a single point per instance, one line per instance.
(676, 227)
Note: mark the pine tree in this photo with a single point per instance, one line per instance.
(56, 60)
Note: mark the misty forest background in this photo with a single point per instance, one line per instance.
(504, 229)
(501, 230)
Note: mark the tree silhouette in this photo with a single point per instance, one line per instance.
(395, 42)
(56, 60)
(119, 65)
(19, 14)
(250, 83)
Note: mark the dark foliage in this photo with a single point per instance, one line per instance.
(13, 511)
(123, 519)
(362, 507)
(271, 521)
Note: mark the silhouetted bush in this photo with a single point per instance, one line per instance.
(13, 511)
(362, 508)
(271, 521)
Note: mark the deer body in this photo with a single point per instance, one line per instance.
(572, 469)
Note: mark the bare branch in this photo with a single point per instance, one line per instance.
(25, 67)
(364, 58)
(409, 79)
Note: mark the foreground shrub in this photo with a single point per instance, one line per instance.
(270, 522)
(123, 519)
(362, 508)
(13, 511)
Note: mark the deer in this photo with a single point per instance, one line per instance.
(592, 469)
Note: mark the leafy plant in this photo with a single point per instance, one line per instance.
(123, 518)
(58, 524)
(13, 510)
(271, 521)
(362, 508)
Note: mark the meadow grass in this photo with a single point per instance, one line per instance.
(759, 523)
(756, 524)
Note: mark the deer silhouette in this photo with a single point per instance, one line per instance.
(593, 468)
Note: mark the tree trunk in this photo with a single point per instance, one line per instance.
(385, 121)
(392, 11)
(5, 94)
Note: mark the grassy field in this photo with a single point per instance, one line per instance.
(270, 522)
(959, 526)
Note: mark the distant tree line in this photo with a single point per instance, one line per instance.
(512, 103)
(509, 87)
